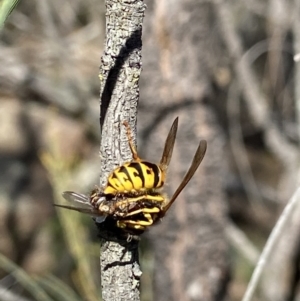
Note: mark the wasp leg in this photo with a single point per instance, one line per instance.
(130, 141)
(139, 225)
(156, 198)
(145, 211)
(124, 225)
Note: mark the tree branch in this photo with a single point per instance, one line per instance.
(277, 232)
(119, 77)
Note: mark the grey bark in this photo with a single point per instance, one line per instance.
(119, 77)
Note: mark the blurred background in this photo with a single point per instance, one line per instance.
(229, 70)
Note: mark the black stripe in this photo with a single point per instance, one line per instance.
(125, 171)
(139, 172)
(112, 176)
(156, 172)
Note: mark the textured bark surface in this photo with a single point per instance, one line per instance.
(190, 248)
(119, 76)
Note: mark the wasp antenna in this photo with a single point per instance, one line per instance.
(130, 141)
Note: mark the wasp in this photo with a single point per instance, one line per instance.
(133, 195)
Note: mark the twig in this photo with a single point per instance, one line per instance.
(257, 104)
(11, 296)
(270, 245)
(241, 242)
(237, 147)
(119, 76)
(24, 279)
(296, 35)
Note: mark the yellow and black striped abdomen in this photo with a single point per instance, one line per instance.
(135, 177)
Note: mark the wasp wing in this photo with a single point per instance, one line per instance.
(91, 211)
(169, 145)
(72, 196)
(199, 155)
(83, 199)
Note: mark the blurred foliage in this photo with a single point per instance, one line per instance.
(24, 279)
(74, 230)
(6, 7)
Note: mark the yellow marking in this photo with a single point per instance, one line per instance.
(123, 225)
(109, 190)
(148, 175)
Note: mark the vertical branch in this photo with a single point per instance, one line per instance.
(296, 34)
(119, 77)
